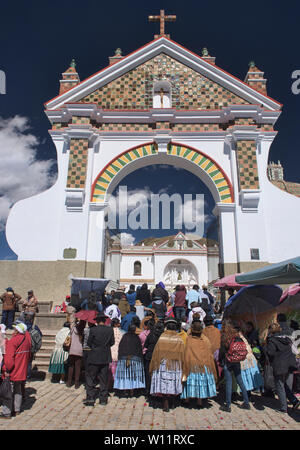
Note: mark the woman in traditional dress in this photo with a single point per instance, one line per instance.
(148, 326)
(130, 368)
(115, 323)
(199, 370)
(59, 355)
(166, 364)
(250, 372)
(230, 335)
(149, 345)
(75, 354)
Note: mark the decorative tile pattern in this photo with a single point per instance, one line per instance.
(80, 120)
(195, 127)
(205, 163)
(247, 165)
(58, 125)
(77, 163)
(124, 127)
(288, 186)
(105, 177)
(189, 89)
(163, 125)
(215, 173)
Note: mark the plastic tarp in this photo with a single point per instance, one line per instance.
(285, 272)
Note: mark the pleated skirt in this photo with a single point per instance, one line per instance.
(57, 361)
(131, 377)
(252, 377)
(166, 382)
(199, 385)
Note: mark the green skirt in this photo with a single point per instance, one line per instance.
(57, 361)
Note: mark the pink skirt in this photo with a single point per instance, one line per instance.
(111, 373)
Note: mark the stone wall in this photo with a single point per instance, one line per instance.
(49, 279)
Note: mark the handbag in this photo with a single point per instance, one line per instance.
(6, 394)
(67, 343)
(269, 383)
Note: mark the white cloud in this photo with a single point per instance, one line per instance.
(127, 239)
(21, 174)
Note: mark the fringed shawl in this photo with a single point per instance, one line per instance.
(169, 347)
(198, 353)
(214, 336)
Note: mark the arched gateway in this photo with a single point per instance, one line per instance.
(159, 104)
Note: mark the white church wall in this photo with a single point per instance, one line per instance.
(33, 225)
(199, 261)
(281, 216)
(127, 267)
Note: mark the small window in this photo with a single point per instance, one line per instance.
(137, 268)
(254, 253)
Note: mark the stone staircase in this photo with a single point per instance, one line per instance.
(42, 357)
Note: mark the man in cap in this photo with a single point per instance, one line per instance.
(9, 302)
(16, 359)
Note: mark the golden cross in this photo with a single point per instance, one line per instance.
(162, 18)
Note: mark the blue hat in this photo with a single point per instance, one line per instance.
(9, 289)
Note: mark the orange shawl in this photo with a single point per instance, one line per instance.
(170, 347)
(198, 353)
(214, 336)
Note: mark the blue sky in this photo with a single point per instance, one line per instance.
(39, 39)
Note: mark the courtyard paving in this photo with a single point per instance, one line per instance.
(52, 406)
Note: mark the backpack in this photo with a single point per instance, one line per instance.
(36, 340)
(237, 351)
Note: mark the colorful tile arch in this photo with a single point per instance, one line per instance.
(105, 177)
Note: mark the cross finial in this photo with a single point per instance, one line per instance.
(162, 18)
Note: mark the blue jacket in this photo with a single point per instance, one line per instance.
(131, 298)
(126, 321)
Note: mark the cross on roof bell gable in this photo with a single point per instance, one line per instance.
(162, 18)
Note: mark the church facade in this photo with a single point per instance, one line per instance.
(180, 259)
(161, 104)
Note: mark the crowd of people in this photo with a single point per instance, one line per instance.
(170, 348)
(166, 347)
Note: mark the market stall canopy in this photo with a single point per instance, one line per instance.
(83, 286)
(291, 297)
(253, 299)
(228, 282)
(284, 272)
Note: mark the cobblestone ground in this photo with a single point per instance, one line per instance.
(52, 406)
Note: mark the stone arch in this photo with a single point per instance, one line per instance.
(188, 272)
(212, 174)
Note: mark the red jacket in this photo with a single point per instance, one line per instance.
(16, 359)
(180, 297)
